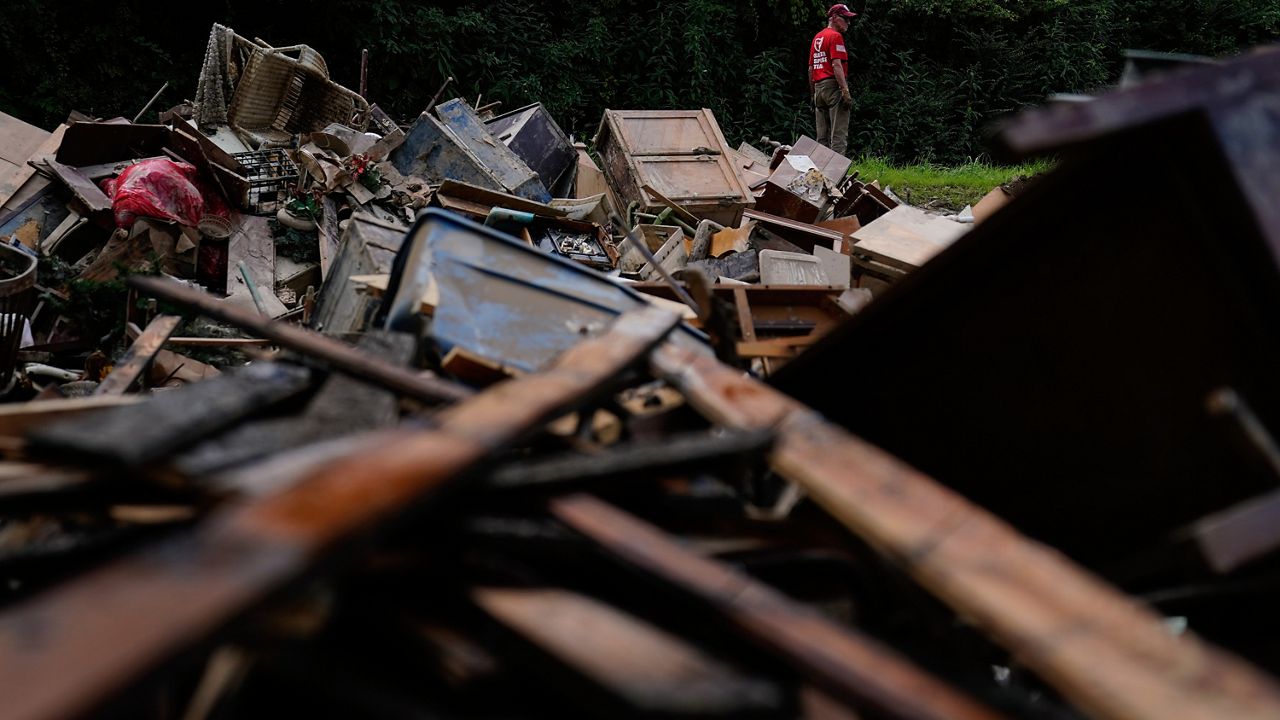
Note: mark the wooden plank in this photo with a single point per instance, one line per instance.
(492, 198)
(10, 184)
(16, 419)
(138, 435)
(648, 670)
(328, 235)
(251, 243)
(135, 360)
(746, 324)
(671, 455)
(803, 234)
(81, 186)
(336, 354)
(102, 631)
(19, 139)
(906, 237)
(1097, 647)
(847, 664)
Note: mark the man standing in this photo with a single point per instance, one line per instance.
(829, 80)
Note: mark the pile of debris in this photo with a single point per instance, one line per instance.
(310, 411)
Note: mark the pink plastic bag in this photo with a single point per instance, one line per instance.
(159, 188)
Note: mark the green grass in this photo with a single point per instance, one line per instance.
(935, 186)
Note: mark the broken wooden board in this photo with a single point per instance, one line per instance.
(1100, 649)
(639, 668)
(251, 243)
(906, 237)
(335, 354)
(138, 435)
(11, 183)
(170, 597)
(328, 235)
(855, 668)
(139, 355)
(16, 419)
(18, 142)
(81, 186)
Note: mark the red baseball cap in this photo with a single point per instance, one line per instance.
(842, 10)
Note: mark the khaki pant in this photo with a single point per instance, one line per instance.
(831, 115)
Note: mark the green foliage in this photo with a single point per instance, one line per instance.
(950, 187)
(929, 76)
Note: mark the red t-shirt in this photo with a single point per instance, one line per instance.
(827, 45)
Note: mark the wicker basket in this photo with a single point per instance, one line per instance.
(293, 95)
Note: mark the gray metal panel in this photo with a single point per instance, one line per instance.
(368, 247)
(506, 167)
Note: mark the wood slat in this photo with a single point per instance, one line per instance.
(647, 670)
(1099, 648)
(65, 652)
(832, 656)
(139, 355)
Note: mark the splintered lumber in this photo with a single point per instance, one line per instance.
(136, 435)
(70, 649)
(840, 660)
(338, 355)
(139, 355)
(651, 672)
(1100, 649)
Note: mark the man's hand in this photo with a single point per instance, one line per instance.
(846, 98)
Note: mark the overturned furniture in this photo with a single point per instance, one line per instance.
(679, 153)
